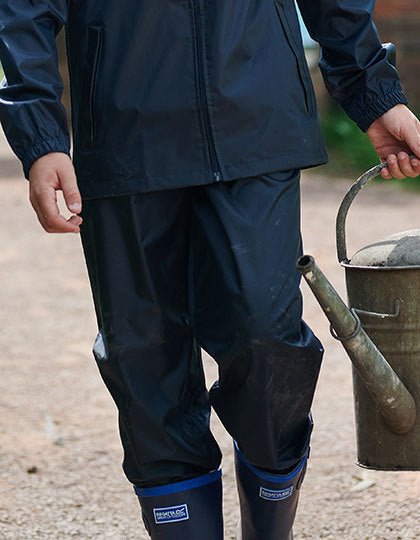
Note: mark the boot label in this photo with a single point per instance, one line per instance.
(275, 494)
(170, 514)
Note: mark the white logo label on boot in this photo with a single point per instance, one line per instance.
(170, 514)
(275, 494)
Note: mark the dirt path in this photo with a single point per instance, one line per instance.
(60, 455)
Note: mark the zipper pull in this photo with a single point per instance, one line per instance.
(217, 175)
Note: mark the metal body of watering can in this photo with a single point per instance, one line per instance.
(381, 333)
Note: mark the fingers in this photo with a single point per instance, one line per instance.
(406, 165)
(401, 166)
(411, 135)
(68, 183)
(47, 175)
(44, 201)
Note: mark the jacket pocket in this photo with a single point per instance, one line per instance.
(298, 52)
(90, 82)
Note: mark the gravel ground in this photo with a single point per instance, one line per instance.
(60, 474)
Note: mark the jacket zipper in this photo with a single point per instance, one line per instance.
(204, 108)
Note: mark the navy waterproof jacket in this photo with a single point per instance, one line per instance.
(173, 93)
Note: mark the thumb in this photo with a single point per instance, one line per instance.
(411, 136)
(71, 193)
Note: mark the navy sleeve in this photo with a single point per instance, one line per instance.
(358, 70)
(32, 115)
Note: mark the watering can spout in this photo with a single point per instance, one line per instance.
(392, 398)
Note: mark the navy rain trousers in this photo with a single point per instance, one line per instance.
(209, 267)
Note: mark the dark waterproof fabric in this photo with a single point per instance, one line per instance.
(171, 93)
(211, 266)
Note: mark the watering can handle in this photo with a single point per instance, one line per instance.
(344, 208)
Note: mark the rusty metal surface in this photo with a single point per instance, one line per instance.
(383, 287)
(388, 304)
(349, 197)
(391, 397)
(345, 206)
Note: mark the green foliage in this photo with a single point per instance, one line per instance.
(349, 148)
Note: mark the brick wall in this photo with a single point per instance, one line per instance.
(399, 21)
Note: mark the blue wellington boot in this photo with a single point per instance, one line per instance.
(268, 502)
(188, 510)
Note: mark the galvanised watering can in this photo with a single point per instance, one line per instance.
(380, 331)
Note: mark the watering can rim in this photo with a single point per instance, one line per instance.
(347, 264)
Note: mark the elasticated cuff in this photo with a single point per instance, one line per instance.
(365, 112)
(42, 148)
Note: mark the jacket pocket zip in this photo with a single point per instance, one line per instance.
(302, 69)
(93, 85)
(204, 109)
(89, 82)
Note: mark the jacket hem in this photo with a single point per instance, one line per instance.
(110, 187)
